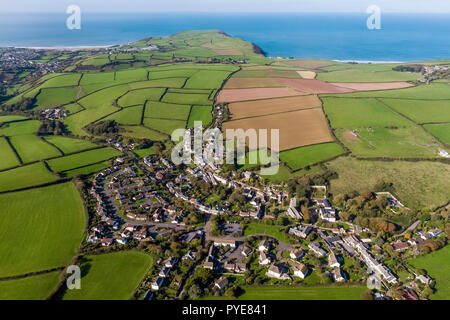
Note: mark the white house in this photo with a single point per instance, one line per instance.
(157, 284)
(332, 261)
(300, 270)
(264, 259)
(264, 245)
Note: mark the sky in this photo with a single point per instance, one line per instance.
(397, 6)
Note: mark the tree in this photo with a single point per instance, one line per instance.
(194, 292)
(367, 295)
(306, 214)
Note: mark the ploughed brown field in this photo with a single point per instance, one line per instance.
(312, 86)
(297, 128)
(232, 95)
(256, 108)
(307, 74)
(372, 86)
(245, 83)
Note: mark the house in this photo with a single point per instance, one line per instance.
(435, 232)
(121, 240)
(294, 213)
(400, 246)
(240, 268)
(106, 242)
(315, 247)
(164, 272)
(208, 264)
(264, 245)
(157, 284)
(275, 271)
(297, 254)
(190, 255)
(300, 270)
(337, 275)
(300, 231)
(423, 279)
(332, 261)
(246, 251)
(221, 283)
(225, 242)
(229, 266)
(424, 235)
(264, 259)
(170, 263)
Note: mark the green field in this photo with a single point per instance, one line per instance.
(82, 159)
(138, 97)
(422, 111)
(131, 75)
(25, 176)
(11, 118)
(442, 131)
(63, 80)
(144, 152)
(200, 113)
(86, 170)
(129, 115)
(142, 132)
(434, 91)
(163, 125)
(302, 157)
(271, 230)
(403, 142)
(32, 148)
(436, 265)
(360, 113)
(19, 128)
(417, 184)
(37, 287)
(69, 145)
(8, 158)
(53, 97)
(45, 237)
(207, 79)
(112, 276)
(377, 74)
(298, 293)
(167, 111)
(187, 98)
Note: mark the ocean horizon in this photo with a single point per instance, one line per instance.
(342, 36)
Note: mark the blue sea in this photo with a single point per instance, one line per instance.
(402, 37)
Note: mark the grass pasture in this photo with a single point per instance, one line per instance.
(298, 293)
(69, 145)
(19, 128)
(8, 158)
(53, 97)
(164, 125)
(200, 113)
(25, 176)
(112, 276)
(32, 148)
(403, 142)
(442, 131)
(355, 75)
(11, 118)
(207, 79)
(261, 228)
(37, 287)
(417, 184)
(96, 167)
(63, 80)
(82, 159)
(45, 237)
(360, 113)
(138, 97)
(167, 111)
(187, 98)
(436, 265)
(422, 111)
(142, 132)
(129, 115)
(302, 157)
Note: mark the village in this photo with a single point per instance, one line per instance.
(152, 199)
